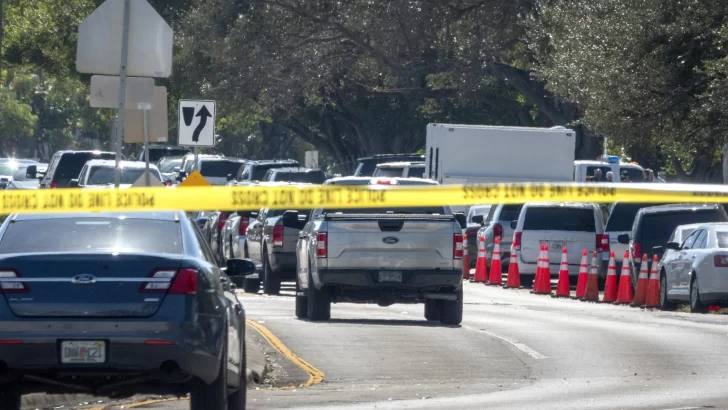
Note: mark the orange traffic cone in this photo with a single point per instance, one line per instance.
(481, 273)
(591, 293)
(583, 276)
(514, 276)
(542, 285)
(610, 286)
(563, 289)
(496, 271)
(466, 259)
(653, 287)
(625, 282)
(640, 296)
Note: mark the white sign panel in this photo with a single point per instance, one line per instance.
(196, 123)
(311, 159)
(156, 120)
(105, 91)
(150, 41)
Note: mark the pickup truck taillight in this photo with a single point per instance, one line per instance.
(637, 253)
(278, 236)
(602, 243)
(243, 227)
(517, 240)
(221, 221)
(457, 246)
(321, 245)
(498, 231)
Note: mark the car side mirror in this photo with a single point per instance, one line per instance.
(31, 172)
(478, 219)
(73, 183)
(290, 219)
(176, 169)
(230, 177)
(462, 220)
(514, 224)
(240, 267)
(673, 246)
(623, 239)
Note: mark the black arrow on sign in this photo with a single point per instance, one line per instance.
(203, 114)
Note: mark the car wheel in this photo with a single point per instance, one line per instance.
(236, 401)
(451, 311)
(696, 306)
(213, 396)
(251, 285)
(432, 311)
(301, 303)
(665, 303)
(527, 281)
(319, 301)
(10, 401)
(271, 280)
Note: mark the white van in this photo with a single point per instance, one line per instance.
(584, 169)
(574, 226)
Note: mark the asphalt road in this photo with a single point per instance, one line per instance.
(514, 350)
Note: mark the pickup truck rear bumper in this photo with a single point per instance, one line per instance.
(284, 264)
(411, 279)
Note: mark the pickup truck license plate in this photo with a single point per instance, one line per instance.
(83, 352)
(390, 276)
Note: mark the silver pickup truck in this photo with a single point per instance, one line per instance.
(383, 256)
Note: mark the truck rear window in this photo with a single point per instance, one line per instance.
(622, 216)
(510, 212)
(71, 163)
(657, 228)
(219, 169)
(560, 219)
(304, 177)
(428, 210)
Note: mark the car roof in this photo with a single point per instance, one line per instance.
(299, 170)
(221, 158)
(124, 164)
(393, 156)
(677, 208)
(371, 180)
(401, 164)
(63, 152)
(560, 205)
(151, 215)
(272, 161)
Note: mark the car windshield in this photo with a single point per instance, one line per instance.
(8, 168)
(155, 154)
(219, 168)
(657, 228)
(303, 177)
(259, 170)
(105, 175)
(559, 219)
(168, 165)
(92, 235)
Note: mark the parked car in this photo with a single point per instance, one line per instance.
(694, 270)
(117, 304)
(212, 232)
(298, 175)
(254, 171)
(381, 255)
(402, 169)
(65, 166)
(100, 173)
(497, 224)
(215, 168)
(571, 226)
(368, 165)
(159, 151)
(169, 167)
(474, 221)
(22, 181)
(653, 227)
(621, 219)
(234, 231)
(271, 246)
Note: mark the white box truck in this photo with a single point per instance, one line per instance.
(472, 154)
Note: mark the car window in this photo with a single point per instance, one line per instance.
(388, 172)
(105, 175)
(168, 165)
(690, 240)
(429, 210)
(657, 228)
(492, 212)
(92, 235)
(590, 171)
(304, 177)
(701, 240)
(218, 168)
(722, 239)
(510, 213)
(260, 170)
(204, 247)
(634, 174)
(416, 172)
(559, 219)
(244, 174)
(268, 175)
(8, 168)
(71, 163)
(622, 216)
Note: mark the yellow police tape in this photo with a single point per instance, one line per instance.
(343, 196)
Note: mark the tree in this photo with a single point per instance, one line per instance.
(17, 122)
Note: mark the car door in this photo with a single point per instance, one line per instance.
(255, 236)
(684, 262)
(302, 252)
(669, 264)
(45, 182)
(692, 257)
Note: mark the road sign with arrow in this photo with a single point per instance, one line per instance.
(197, 123)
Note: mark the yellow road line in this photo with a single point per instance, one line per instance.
(315, 376)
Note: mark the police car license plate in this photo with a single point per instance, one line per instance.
(83, 351)
(390, 276)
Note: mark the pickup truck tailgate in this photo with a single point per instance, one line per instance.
(392, 242)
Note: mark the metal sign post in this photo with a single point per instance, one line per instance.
(197, 156)
(122, 92)
(145, 111)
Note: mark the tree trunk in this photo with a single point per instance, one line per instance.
(725, 163)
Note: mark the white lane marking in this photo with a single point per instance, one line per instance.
(686, 408)
(513, 342)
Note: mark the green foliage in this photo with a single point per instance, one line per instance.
(16, 122)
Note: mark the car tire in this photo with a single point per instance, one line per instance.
(301, 303)
(432, 309)
(251, 285)
(213, 396)
(10, 401)
(527, 281)
(271, 280)
(319, 302)
(237, 400)
(451, 311)
(696, 306)
(665, 303)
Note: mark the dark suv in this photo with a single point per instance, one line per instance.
(66, 165)
(368, 165)
(256, 170)
(303, 175)
(653, 226)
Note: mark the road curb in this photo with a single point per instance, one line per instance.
(42, 401)
(255, 359)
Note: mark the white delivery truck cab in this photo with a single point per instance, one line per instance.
(472, 154)
(620, 170)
